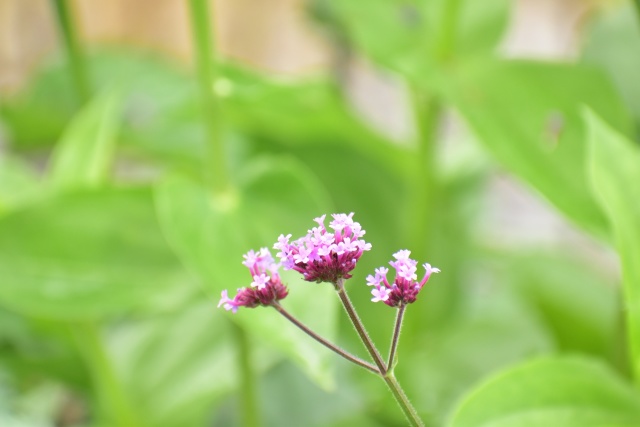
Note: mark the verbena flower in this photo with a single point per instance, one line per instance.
(266, 287)
(323, 256)
(405, 288)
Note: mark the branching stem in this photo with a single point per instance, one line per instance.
(350, 357)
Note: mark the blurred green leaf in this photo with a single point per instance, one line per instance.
(496, 328)
(18, 183)
(568, 391)
(407, 36)
(614, 165)
(212, 232)
(604, 47)
(527, 115)
(575, 300)
(85, 255)
(84, 154)
(175, 377)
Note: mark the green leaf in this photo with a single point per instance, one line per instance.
(603, 48)
(211, 233)
(567, 391)
(407, 36)
(85, 255)
(471, 346)
(527, 115)
(84, 154)
(18, 184)
(614, 168)
(174, 377)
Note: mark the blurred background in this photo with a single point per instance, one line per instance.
(453, 131)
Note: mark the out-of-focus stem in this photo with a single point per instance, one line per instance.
(636, 4)
(248, 395)
(111, 396)
(73, 50)
(215, 166)
(449, 21)
(396, 336)
(350, 357)
(427, 111)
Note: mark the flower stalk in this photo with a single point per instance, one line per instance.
(350, 357)
(330, 256)
(396, 337)
(359, 327)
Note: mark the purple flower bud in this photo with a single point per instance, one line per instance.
(322, 256)
(266, 288)
(405, 288)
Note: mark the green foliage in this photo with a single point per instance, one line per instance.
(614, 163)
(566, 391)
(70, 256)
(84, 153)
(209, 232)
(97, 273)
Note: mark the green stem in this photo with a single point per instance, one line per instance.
(448, 31)
(73, 50)
(402, 399)
(205, 56)
(357, 323)
(386, 374)
(111, 396)
(636, 4)
(248, 395)
(350, 357)
(396, 336)
(427, 111)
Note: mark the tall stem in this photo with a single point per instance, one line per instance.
(396, 336)
(449, 21)
(73, 50)
(248, 395)
(636, 4)
(427, 111)
(216, 168)
(350, 357)
(111, 396)
(357, 324)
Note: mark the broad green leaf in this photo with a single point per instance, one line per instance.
(603, 47)
(407, 36)
(496, 329)
(614, 168)
(174, 377)
(85, 255)
(84, 154)
(18, 183)
(211, 233)
(562, 391)
(574, 299)
(528, 116)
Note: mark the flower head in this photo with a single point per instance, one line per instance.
(405, 288)
(266, 287)
(324, 256)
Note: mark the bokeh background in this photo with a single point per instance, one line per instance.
(457, 132)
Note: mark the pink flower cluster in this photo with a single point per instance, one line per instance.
(405, 287)
(323, 256)
(266, 288)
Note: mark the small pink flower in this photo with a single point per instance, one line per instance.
(405, 288)
(266, 288)
(323, 256)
